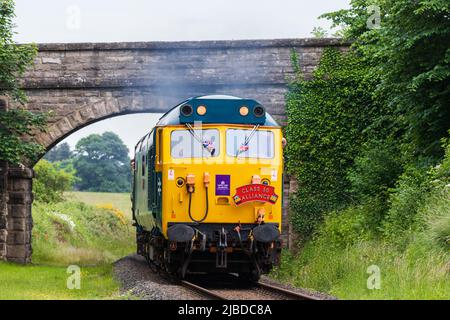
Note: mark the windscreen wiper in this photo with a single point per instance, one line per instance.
(247, 141)
(192, 132)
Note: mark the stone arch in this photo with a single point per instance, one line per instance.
(84, 116)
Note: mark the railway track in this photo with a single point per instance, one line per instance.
(202, 291)
(233, 289)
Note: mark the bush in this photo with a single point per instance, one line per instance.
(437, 218)
(345, 228)
(374, 173)
(328, 120)
(405, 200)
(51, 181)
(421, 194)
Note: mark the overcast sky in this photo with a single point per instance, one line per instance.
(169, 20)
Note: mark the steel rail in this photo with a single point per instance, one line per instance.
(203, 291)
(293, 294)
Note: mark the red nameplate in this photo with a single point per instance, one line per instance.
(255, 192)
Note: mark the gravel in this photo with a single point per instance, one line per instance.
(319, 295)
(138, 281)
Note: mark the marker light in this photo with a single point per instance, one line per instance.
(201, 110)
(243, 111)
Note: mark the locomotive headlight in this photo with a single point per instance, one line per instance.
(265, 182)
(243, 111)
(201, 110)
(259, 111)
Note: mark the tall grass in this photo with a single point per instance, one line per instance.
(73, 232)
(343, 272)
(337, 259)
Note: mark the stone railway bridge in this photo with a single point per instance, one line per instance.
(82, 83)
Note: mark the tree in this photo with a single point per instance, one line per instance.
(52, 181)
(319, 32)
(410, 52)
(17, 123)
(373, 117)
(102, 163)
(59, 153)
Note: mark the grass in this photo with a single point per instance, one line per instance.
(73, 232)
(85, 230)
(50, 283)
(343, 272)
(416, 265)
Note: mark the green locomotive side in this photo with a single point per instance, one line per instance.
(147, 185)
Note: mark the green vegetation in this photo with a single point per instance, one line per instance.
(36, 282)
(91, 236)
(328, 121)
(16, 123)
(51, 181)
(61, 152)
(368, 143)
(76, 233)
(102, 163)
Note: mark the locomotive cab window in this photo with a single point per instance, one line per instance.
(250, 143)
(195, 143)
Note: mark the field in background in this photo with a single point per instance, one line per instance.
(120, 201)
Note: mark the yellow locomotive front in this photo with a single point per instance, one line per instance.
(208, 186)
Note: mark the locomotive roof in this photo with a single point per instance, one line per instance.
(218, 109)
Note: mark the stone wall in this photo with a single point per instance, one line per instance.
(3, 209)
(16, 198)
(3, 195)
(19, 219)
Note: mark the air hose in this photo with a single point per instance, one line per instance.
(207, 208)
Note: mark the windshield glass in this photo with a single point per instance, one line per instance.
(244, 143)
(205, 144)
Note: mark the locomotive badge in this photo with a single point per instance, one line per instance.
(255, 192)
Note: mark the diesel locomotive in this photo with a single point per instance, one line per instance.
(207, 188)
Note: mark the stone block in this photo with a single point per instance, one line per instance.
(18, 253)
(19, 210)
(20, 173)
(20, 198)
(2, 251)
(20, 185)
(19, 238)
(19, 224)
(3, 236)
(3, 222)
